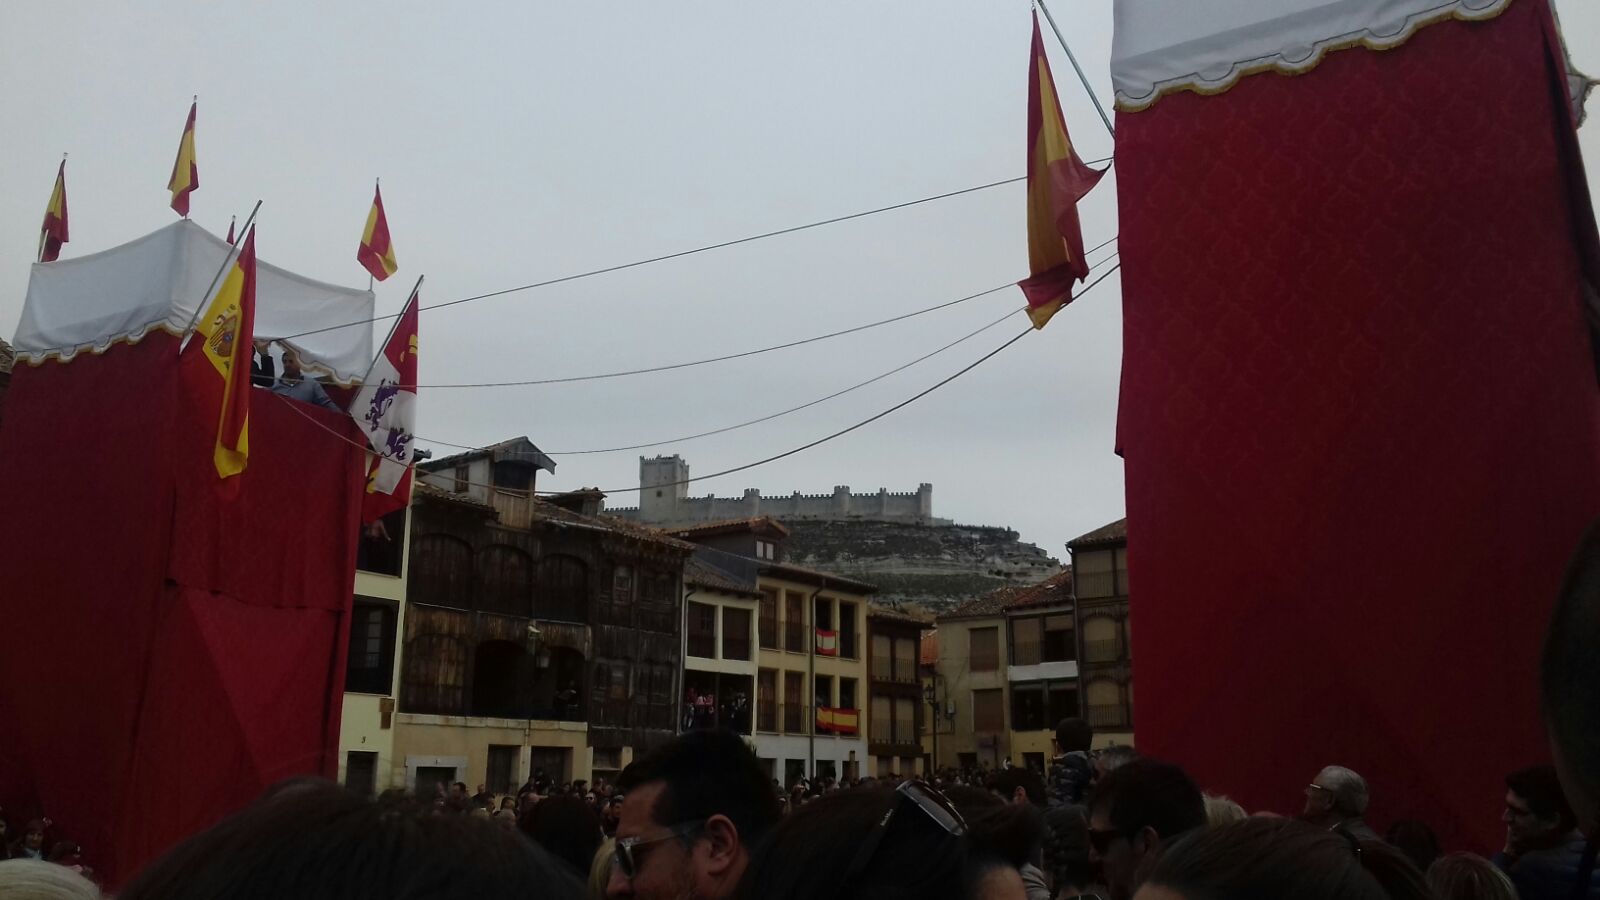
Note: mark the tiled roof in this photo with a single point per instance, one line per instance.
(1053, 590)
(549, 512)
(728, 526)
(892, 614)
(1105, 534)
(812, 576)
(421, 488)
(703, 574)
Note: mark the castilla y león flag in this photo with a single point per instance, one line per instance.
(54, 231)
(385, 410)
(216, 364)
(1057, 180)
(376, 252)
(185, 174)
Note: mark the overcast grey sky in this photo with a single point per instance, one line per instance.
(521, 142)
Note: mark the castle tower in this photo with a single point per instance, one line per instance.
(661, 487)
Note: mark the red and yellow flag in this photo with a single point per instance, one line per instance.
(216, 364)
(54, 231)
(377, 251)
(185, 175)
(1057, 180)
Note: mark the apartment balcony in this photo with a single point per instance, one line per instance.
(1110, 715)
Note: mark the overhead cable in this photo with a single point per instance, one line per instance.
(681, 253)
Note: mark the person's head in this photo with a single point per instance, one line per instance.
(1019, 785)
(508, 802)
(292, 367)
(1337, 794)
(1536, 807)
(35, 879)
(1133, 813)
(998, 827)
(1073, 734)
(694, 809)
(483, 789)
(459, 789)
(1569, 682)
(1468, 876)
(1261, 859)
(1111, 759)
(1416, 840)
(329, 844)
(877, 843)
(1222, 810)
(567, 827)
(33, 835)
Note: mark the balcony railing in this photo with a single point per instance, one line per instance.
(794, 718)
(1102, 651)
(1109, 715)
(767, 716)
(794, 636)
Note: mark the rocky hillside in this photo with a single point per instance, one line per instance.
(934, 566)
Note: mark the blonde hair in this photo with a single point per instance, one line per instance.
(34, 879)
(600, 869)
(1221, 810)
(1468, 876)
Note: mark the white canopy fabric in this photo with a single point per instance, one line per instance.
(1161, 46)
(159, 280)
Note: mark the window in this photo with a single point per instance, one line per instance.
(1100, 639)
(502, 768)
(563, 592)
(882, 661)
(766, 550)
(988, 711)
(767, 620)
(1062, 701)
(1060, 642)
(794, 703)
(434, 675)
(1092, 575)
(361, 772)
(382, 548)
(905, 660)
(905, 720)
(514, 476)
(369, 667)
(847, 693)
(1120, 570)
(824, 690)
(463, 479)
(823, 612)
(620, 610)
(659, 595)
(1027, 708)
(1026, 635)
(881, 722)
(735, 633)
(847, 631)
(984, 649)
(505, 581)
(702, 630)
(794, 622)
(767, 700)
(441, 571)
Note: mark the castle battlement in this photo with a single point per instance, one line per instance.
(664, 500)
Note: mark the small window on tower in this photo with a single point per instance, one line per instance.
(658, 493)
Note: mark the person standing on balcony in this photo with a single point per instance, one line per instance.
(1070, 770)
(295, 385)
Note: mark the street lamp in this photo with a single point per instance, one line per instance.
(930, 692)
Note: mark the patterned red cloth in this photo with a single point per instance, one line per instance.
(1359, 417)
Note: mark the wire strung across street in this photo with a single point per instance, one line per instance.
(745, 353)
(823, 440)
(682, 253)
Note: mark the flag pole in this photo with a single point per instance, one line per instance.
(227, 260)
(409, 297)
(1079, 69)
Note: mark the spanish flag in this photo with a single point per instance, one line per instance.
(1057, 180)
(216, 365)
(377, 251)
(54, 231)
(185, 175)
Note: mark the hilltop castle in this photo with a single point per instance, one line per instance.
(664, 500)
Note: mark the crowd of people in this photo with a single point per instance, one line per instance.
(700, 819)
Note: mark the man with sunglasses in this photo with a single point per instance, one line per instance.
(693, 809)
(1135, 811)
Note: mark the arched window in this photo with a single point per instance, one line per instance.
(563, 593)
(441, 571)
(505, 581)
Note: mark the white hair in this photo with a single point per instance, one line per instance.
(34, 879)
(1349, 790)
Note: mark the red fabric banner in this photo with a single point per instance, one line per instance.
(167, 654)
(1359, 417)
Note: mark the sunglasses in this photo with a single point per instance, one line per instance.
(932, 803)
(628, 862)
